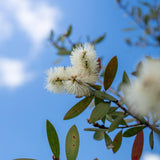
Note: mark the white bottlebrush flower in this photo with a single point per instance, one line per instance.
(143, 96)
(75, 85)
(84, 59)
(55, 79)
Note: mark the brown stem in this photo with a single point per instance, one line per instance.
(120, 127)
(142, 121)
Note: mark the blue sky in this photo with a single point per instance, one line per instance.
(25, 55)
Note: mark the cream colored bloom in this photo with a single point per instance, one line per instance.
(75, 84)
(55, 79)
(75, 80)
(143, 97)
(83, 58)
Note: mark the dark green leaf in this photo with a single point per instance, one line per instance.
(138, 146)
(51, 35)
(146, 19)
(129, 29)
(133, 131)
(72, 143)
(139, 12)
(99, 112)
(125, 79)
(69, 31)
(130, 120)
(115, 123)
(98, 100)
(128, 41)
(78, 108)
(98, 135)
(96, 87)
(108, 141)
(53, 139)
(117, 142)
(110, 72)
(103, 95)
(151, 140)
(63, 51)
(98, 40)
(96, 129)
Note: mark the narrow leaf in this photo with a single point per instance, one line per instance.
(133, 131)
(103, 95)
(138, 146)
(53, 139)
(63, 51)
(110, 72)
(99, 112)
(129, 29)
(115, 123)
(117, 142)
(69, 31)
(95, 129)
(96, 87)
(130, 120)
(72, 143)
(98, 40)
(98, 135)
(151, 140)
(108, 141)
(78, 108)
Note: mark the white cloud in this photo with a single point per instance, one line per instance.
(13, 73)
(149, 156)
(35, 18)
(5, 27)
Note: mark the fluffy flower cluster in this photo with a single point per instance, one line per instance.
(143, 96)
(75, 80)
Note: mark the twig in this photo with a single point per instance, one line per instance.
(120, 127)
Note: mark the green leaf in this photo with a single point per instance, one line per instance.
(146, 19)
(98, 40)
(78, 108)
(133, 131)
(96, 129)
(103, 95)
(128, 41)
(98, 100)
(125, 80)
(96, 87)
(99, 112)
(130, 120)
(72, 143)
(115, 123)
(139, 12)
(63, 51)
(53, 139)
(117, 142)
(24, 159)
(108, 141)
(129, 29)
(69, 31)
(151, 140)
(110, 72)
(138, 146)
(98, 135)
(51, 35)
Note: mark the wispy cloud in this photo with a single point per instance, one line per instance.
(36, 19)
(13, 73)
(6, 28)
(33, 18)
